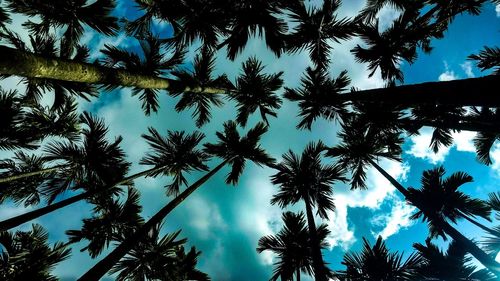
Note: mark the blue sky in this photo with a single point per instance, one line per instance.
(225, 222)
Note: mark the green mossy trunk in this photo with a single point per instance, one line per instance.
(20, 63)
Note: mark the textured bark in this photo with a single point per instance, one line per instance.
(318, 263)
(26, 217)
(15, 62)
(465, 92)
(103, 266)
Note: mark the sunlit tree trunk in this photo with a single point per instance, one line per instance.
(30, 174)
(20, 63)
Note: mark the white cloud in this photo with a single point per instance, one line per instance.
(420, 145)
(396, 219)
(497, 9)
(495, 158)
(467, 68)
(205, 217)
(448, 75)
(379, 189)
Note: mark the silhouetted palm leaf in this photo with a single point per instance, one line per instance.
(256, 91)
(237, 149)
(72, 15)
(250, 18)
(315, 28)
(26, 255)
(201, 77)
(440, 197)
(358, 146)
(108, 224)
(177, 154)
(376, 263)
(319, 97)
(488, 58)
(450, 265)
(90, 164)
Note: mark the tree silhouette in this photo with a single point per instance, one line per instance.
(376, 263)
(291, 244)
(305, 178)
(26, 255)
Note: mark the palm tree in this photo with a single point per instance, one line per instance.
(452, 265)
(305, 178)
(315, 28)
(25, 125)
(108, 223)
(26, 255)
(28, 190)
(249, 18)
(94, 165)
(255, 90)
(199, 79)
(488, 58)
(376, 263)
(360, 148)
(291, 244)
(319, 96)
(443, 199)
(492, 242)
(170, 156)
(153, 65)
(233, 149)
(72, 15)
(160, 259)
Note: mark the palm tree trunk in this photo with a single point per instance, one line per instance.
(298, 274)
(318, 263)
(26, 217)
(472, 248)
(20, 63)
(103, 266)
(480, 225)
(465, 92)
(30, 174)
(452, 125)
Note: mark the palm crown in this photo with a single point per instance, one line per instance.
(438, 197)
(174, 155)
(236, 149)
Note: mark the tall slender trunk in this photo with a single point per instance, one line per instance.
(318, 263)
(26, 217)
(480, 225)
(20, 63)
(470, 126)
(472, 248)
(465, 92)
(30, 174)
(298, 274)
(103, 266)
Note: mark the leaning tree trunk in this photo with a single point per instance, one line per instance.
(103, 266)
(20, 63)
(318, 263)
(30, 174)
(465, 92)
(452, 125)
(470, 247)
(480, 225)
(26, 217)
(298, 274)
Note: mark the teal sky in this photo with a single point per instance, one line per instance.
(225, 222)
